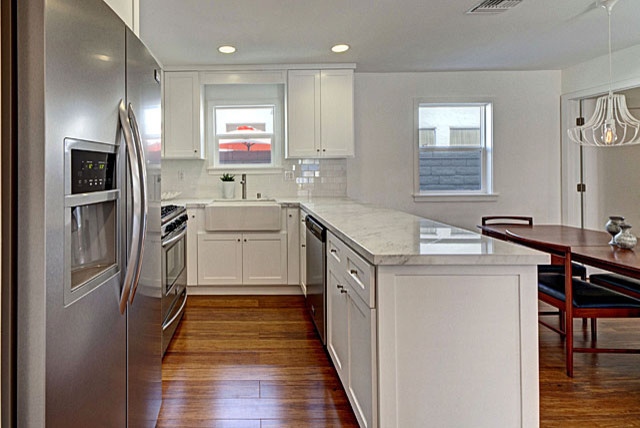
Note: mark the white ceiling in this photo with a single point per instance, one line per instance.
(385, 35)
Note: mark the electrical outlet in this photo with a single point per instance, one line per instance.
(181, 175)
(288, 176)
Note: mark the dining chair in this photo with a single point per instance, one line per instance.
(587, 300)
(578, 270)
(620, 283)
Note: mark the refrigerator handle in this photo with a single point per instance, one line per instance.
(137, 208)
(142, 164)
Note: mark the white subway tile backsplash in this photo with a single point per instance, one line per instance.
(312, 177)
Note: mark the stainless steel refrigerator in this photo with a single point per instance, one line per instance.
(88, 286)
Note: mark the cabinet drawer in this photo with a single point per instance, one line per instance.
(360, 275)
(336, 251)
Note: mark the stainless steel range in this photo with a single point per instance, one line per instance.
(174, 271)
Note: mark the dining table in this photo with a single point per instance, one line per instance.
(589, 247)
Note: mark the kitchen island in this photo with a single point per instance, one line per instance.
(428, 324)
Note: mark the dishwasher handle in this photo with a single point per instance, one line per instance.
(316, 228)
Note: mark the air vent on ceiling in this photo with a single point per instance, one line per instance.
(493, 6)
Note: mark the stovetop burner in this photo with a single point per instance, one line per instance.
(168, 212)
(167, 209)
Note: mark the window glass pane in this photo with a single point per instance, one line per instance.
(464, 137)
(451, 147)
(427, 137)
(452, 125)
(450, 170)
(244, 120)
(244, 151)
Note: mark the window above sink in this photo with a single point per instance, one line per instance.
(244, 126)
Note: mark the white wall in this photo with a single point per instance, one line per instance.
(526, 142)
(595, 73)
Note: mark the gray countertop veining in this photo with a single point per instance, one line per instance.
(384, 236)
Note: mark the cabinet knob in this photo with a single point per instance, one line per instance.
(245, 240)
(290, 215)
(238, 239)
(318, 150)
(195, 151)
(303, 246)
(324, 150)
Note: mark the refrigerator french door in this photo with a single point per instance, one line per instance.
(88, 259)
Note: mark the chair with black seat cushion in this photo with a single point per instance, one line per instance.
(578, 270)
(587, 300)
(623, 284)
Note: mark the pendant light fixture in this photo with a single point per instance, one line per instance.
(611, 125)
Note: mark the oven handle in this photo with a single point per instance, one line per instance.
(175, 238)
(136, 223)
(171, 321)
(142, 164)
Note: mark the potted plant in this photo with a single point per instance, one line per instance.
(228, 186)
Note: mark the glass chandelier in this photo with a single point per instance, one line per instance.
(611, 125)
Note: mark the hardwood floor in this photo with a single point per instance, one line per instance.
(605, 389)
(250, 362)
(256, 362)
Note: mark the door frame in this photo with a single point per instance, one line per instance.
(570, 152)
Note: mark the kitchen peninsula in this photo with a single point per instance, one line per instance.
(427, 324)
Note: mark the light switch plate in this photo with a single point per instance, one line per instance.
(288, 176)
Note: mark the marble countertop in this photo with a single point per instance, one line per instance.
(384, 236)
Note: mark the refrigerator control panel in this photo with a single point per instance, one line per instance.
(92, 171)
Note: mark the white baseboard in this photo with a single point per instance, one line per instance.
(244, 290)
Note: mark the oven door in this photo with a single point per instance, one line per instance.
(174, 262)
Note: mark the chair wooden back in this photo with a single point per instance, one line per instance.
(506, 220)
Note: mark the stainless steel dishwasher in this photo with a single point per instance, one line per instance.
(316, 274)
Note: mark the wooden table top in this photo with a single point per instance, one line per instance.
(590, 247)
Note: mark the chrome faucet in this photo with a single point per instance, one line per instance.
(244, 186)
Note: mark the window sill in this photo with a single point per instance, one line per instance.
(455, 197)
(245, 170)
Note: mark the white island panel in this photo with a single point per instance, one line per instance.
(458, 346)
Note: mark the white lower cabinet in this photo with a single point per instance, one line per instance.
(362, 360)
(264, 258)
(303, 252)
(236, 258)
(338, 321)
(219, 258)
(352, 339)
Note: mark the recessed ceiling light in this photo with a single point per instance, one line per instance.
(340, 48)
(227, 49)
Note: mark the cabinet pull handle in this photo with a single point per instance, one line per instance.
(333, 250)
(344, 291)
(353, 272)
(340, 287)
(303, 246)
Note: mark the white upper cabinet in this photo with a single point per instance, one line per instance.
(182, 110)
(128, 11)
(336, 113)
(303, 108)
(320, 113)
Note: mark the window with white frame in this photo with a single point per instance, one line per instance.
(244, 126)
(454, 148)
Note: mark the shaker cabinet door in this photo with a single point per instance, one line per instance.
(303, 114)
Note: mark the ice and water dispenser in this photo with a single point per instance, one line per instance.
(92, 220)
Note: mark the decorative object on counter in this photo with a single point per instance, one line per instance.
(625, 239)
(613, 227)
(612, 124)
(228, 186)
